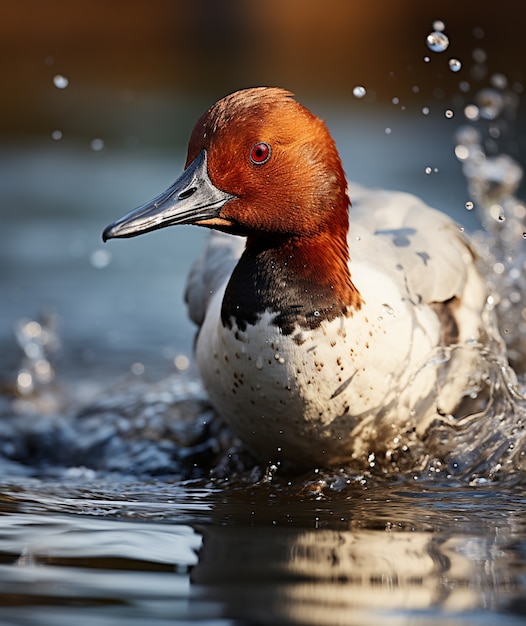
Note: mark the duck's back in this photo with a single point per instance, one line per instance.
(422, 248)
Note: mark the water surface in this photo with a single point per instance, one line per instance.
(120, 500)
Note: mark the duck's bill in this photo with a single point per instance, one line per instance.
(192, 199)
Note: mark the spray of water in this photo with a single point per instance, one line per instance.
(490, 439)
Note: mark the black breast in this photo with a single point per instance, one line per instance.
(262, 281)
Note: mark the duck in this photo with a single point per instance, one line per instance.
(327, 331)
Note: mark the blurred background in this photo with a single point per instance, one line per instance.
(99, 99)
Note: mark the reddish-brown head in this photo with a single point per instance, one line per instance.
(277, 159)
(260, 164)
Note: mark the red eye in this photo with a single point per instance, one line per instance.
(260, 153)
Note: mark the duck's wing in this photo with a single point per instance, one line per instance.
(422, 249)
(211, 272)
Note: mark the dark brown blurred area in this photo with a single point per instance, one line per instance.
(119, 54)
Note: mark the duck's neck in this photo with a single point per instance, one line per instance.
(301, 280)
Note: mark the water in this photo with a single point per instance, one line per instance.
(308, 551)
(124, 500)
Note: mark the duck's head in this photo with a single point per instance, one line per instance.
(258, 162)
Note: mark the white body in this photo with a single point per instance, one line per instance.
(325, 396)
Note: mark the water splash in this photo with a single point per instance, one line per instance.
(39, 341)
(462, 445)
(458, 445)
(493, 181)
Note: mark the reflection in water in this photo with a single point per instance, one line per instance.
(119, 572)
(366, 552)
(325, 577)
(274, 574)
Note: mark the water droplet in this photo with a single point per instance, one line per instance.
(479, 55)
(137, 369)
(32, 329)
(490, 103)
(469, 205)
(100, 259)
(437, 41)
(181, 362)
(56, 135)
(428, 170)
(426, 59)
(388, 130)
(455, 65)
(494, 132)
(316, 314)
(395, 100)
(448, 113)
(439, 25)
(43, 371)
(478, 71)
(60, 82)
(497, 213)
(359, 91)
(97, 144)
(472, 112)
(259, 362)
(468, 136)
(499, 81)
(464, 86)
(24, 381)
(461, 152)
(425, 110)
(387, 308)
(524, 235)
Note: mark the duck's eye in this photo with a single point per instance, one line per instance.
(260, 153)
